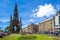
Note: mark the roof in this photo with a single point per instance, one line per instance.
(46, 19)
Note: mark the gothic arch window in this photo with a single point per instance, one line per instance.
(15, 28)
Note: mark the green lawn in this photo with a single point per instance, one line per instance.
(29, 37)
(10, 37)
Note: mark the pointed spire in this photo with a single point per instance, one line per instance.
(10, 18)
(15, 6)
(10, 23)
(15, 12)
(20, 22)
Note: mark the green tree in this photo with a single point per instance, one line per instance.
(7, 29)
(0, 28)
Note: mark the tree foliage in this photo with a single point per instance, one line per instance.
(7, 29)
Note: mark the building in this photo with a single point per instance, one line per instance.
(57, 22)
(15, 24)
(47, 25)
(31, 28)
(51, 24)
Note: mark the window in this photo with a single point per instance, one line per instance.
(59, 19)
(56, 25)
(15, 28)
(59, 28)
(56, 29)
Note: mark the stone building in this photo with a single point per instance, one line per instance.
(57, 22)
(47, 25)
(51, 24)
(31, 28)
(15, 24)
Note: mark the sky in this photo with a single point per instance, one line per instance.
(29, 10)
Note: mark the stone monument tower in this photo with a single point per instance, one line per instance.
(15, 24)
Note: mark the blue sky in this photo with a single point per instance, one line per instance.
(29, 10)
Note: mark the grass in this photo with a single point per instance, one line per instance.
(10, 37)
(27, 37)
(38, 37)
(30, 37)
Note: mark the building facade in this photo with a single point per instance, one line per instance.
(57, 22)
(51, 24)
(31, 28)
(47, 25)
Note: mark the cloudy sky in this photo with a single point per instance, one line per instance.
(29, 10)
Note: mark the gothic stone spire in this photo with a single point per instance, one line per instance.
(15, 13)
(15, 24)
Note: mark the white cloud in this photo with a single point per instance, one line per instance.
(36, 9)
(58, 7)
(4, 20)
(31, 20)
(33, 11)
(34, 15)
(24, 26)
(36, 23)
(44, 10)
